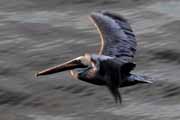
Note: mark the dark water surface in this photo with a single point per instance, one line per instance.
(36, 34)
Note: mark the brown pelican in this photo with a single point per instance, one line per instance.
(111, 67)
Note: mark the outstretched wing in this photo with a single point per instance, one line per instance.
(117, 37)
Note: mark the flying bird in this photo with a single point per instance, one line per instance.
(112, 66)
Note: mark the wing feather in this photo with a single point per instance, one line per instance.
(117, 37)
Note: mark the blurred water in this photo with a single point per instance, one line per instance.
(36, 34)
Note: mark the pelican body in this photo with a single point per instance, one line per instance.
(112, 66)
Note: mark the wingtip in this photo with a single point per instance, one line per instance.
(108, 13)
(99, 12)
(94, 14)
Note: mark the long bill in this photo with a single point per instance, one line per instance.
(72, 64)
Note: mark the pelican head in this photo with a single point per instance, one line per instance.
(76, 65)
(85, 67)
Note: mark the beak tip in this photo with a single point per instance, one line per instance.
(37, 75)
